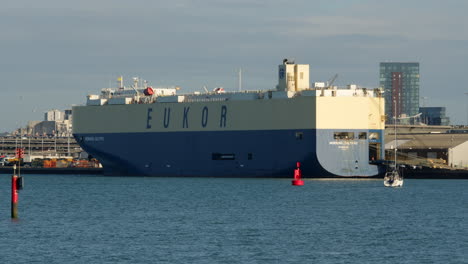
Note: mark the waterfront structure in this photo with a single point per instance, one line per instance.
(434, 116)
(438, 149)
(400, 80)
(156, 132)
(68, 114)
(40, 146)
(54, 115)
(55, 123)
(48, 128)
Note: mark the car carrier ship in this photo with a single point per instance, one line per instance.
(143, 130)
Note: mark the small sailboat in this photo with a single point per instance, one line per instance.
(393, 178)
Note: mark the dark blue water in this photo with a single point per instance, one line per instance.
(83, 219)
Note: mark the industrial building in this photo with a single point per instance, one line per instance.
(55, 123)
(432, 146)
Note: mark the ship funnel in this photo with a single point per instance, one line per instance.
(292, 77)
(120, 82)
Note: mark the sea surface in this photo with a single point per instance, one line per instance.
(96, 219)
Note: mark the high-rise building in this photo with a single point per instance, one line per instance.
(400, 80)
(434, 116)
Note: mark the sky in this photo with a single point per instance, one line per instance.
(54, 52)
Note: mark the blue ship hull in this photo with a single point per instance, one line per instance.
(261, 153)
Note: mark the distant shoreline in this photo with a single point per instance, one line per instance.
(9, 170)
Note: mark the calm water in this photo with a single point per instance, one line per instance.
(83, 219)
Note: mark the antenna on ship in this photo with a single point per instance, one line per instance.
(120, 82)
(331, 81)
(135, 85)
(206, 90)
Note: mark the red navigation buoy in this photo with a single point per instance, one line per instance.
(297, 176)
(14, 196)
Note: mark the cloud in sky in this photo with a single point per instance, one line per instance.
(54, 53)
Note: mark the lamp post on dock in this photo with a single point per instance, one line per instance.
(55, 138)
(68, 141)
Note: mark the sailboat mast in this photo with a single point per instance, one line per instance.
(394, 134)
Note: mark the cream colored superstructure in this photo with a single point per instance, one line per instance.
(306, 110)
(350, 112)
(293, 105)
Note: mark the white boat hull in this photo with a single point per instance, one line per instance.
(394, 183)
(393, 179)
